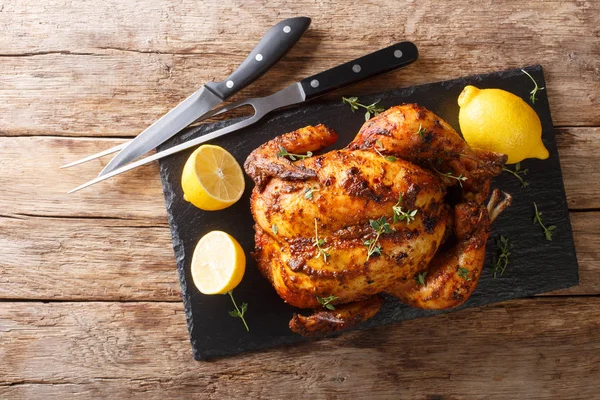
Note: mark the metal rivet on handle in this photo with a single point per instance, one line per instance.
(356, 68)
(287, 29)
(229, 84)
(259, 57)
(314, 83)
(398, 53)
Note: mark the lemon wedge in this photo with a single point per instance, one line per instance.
(212, 179)
(218, 263)
(499, 121)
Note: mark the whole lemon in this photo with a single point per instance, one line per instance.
(499, 121)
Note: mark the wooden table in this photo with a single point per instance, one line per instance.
(90, 301)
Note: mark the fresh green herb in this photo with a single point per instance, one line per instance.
(284, 153)
(420, 278)
(517, 173)
(326, 301)
(274, 229)
(380, 147)
(449, 175)
(464, 273)
(319, 244)
(421, 131)
(371, 109)
(239, 312)
(500, 260)
(308, 193)
(401, 215)
(373, 247)
(537, 219)
(380, 226)
(533, 93)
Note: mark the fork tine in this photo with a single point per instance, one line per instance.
(228, 107)
(94, 156)
(212, 113)
(175, 149)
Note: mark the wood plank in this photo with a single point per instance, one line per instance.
(31, 175)
(586, 232)
(578, 150)
(111, 259)
(44, 250)
(100, 75)
(83, 259)
(538, 348)
(138, 194)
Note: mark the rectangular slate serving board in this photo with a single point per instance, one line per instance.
(536, 265)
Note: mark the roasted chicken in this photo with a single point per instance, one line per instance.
(400, 211)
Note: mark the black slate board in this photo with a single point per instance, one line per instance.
(536, 265)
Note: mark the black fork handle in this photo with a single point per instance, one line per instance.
(379, 62)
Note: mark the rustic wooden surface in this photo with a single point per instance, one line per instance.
(89, 297)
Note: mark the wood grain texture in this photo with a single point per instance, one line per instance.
(537, 348)
(586, 232)
(112, 259)
(33, 184)
(130, 254)
(579, 150)
(89, 69)
(102, 259)
(31, 174)
(107, 69)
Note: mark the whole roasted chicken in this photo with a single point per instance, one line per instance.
(400, 211)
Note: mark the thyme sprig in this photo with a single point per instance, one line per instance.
(319, 243)
(373, 247)
(517, 173)
(460, 178)
(239, 311)
(500, 259)
(326, 301)
(463, 273)
(533, 92)
(308, 193)
(379, 147)
(421, 131)
(284, 153)
(420, 278)
(380, 226)
(537, 219)
(355, 105)
(401, 215)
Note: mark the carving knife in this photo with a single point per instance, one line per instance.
(271, 48)
(379, 62)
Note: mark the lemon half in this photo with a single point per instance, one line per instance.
(212, 179)
(218, 263)
(499, 121)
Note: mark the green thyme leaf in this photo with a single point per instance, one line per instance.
(420, 278)
(537, 219)
(464, 273)
(533, 93)
(326, 301)
(372, 109)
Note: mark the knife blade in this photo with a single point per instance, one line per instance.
(379, 62)
(271, 48)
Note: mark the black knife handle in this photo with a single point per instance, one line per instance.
(274, 45)
(379, 62)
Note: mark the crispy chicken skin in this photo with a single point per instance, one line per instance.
(331, 199)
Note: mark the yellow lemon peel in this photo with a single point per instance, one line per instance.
(499, 121)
